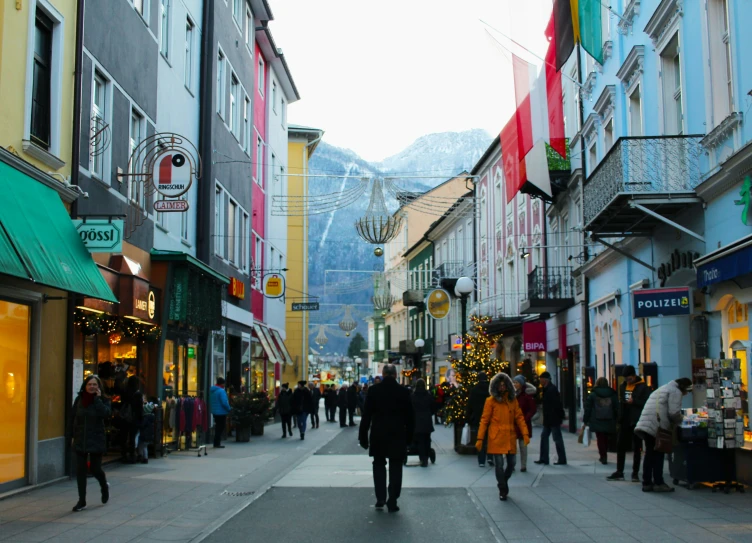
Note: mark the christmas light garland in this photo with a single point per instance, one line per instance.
(103, 323)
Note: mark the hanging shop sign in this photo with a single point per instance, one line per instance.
(101, 235)
(236, 288)
(305, 306)
(455, 342)
(438, 303)
(678, 261)
(534, 336)
(661, 302)
(168, 206)
(172, 174)
(274, 285)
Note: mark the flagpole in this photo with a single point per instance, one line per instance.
(528, 50)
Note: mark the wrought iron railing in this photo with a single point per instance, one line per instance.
(504, 305)
(550, 283)
(455, 269)
(643, 165)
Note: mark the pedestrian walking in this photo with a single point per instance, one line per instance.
(332, 409)
(352, 401)
(284, 408)
(501, 420)
(315, 402)
(439, 398)
(386, 429)
(525, 398)
(302, 406)
(553, 416)
(219, 406)
(423, 406)
(475, 404)
(633, 393)
(146, 433)
(130, 416)
(90, 409)
(362, 392)
(342, 404)
(601, 412)
(662, 412)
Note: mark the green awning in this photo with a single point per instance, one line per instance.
(159, 255)
(38, 241)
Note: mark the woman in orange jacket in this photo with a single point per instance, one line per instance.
(502, 418)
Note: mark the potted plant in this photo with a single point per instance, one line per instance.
(261, 409)
(241, 416)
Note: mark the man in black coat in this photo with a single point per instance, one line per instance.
(352, 401)
(284, 408)
(475, 403)
(342, 404)
(553, 416)
(302, 406)
(388, 415)
(633, 393)
(315, 399)
(331, 408)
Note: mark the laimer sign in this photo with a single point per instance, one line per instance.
(661, 302)
(101, 235)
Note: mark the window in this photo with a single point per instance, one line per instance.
(161, 216)
(234, 121)
(183, 225)
(720, 61)
(576, 101)
(164, 34)
(261, 74)
(140, 6)
(247, 124)
(136, 189)
(259, 162)
(245, 234)
(221, 84)
(272, 170)
(672, 91)
(189, 54)
(232, 238)
(274, 96)
(635, 113)
(98, 120)
(237, 12)
(608, 135)
(257, 263)
(219, 222)
(283, 111)
(592, 158)
(41, 99)
(249, 28)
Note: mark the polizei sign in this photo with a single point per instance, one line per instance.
(661, 302)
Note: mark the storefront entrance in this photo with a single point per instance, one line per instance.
(180, 375)
(15, 323)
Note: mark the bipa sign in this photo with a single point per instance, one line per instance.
(534, 337)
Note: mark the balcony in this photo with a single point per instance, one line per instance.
(641, 183)
(447, 273)
(503, 309)
(549, 290)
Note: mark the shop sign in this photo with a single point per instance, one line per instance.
(305, 306)
(678, 261)
(101, 235)
(661, 302)
(172, 174)
(534, 336)
(438, 303)
(144, 300)
(236, 288)
(274, 285)
(167, 206)
(725, 268)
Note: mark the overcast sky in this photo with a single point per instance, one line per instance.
(376, 75)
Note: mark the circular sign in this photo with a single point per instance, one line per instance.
(151, 304)
(438, 303)
(172, 174)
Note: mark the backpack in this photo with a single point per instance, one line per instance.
(604, 408)
(126, 413)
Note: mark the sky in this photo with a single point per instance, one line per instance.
(376, 75)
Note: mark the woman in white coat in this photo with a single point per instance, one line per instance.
(662, 410)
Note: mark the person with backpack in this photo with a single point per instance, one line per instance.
(633, 393)
(601, 412)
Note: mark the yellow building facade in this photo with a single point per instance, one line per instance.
(302, 142)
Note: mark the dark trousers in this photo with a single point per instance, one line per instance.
(503, 473)
(219, 428)
(602, 440)
(128, 439)
(351, 412)
(627, 436)
(652, 469)
(82, 471)
(343, 416)
(302, 419)
(395, 478)
(315, 419)
(331, 413)
(423, 441)
(286, 424)
(482, 452)
(558, 441)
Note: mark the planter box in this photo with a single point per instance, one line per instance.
(243, 434)
(257, 428)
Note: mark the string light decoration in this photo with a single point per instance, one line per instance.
(348, 324)
(377, 226)
(114, 326)
(477, 359)
(409, 373)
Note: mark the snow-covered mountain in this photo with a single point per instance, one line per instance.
(443, 154)
(333, 242)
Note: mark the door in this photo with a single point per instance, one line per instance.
(15, 322)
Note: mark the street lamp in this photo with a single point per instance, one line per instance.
(462, 289)
(419, 343)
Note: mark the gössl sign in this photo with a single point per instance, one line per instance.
(101, 235)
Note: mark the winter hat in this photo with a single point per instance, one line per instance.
(629, 371)
(520, 379)
(545, 375)
(482, 376)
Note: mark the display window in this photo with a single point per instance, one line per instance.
(257, 366)
(218, 355)
(736, 327)
(14, 372)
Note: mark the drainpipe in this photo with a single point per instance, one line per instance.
(585, 351)
(203, 237)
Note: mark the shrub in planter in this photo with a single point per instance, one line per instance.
(249, 411)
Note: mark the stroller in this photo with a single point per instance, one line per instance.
(412, 450)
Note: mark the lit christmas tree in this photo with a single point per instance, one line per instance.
(478, 347)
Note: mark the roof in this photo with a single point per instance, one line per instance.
(495, 144)
(261, 10)
(160, 255)
(436, 223)
(277, 61)
(419, 195)
(314, 135)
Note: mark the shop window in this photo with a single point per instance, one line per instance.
(218, 355)
(737, 328)
(170, 370)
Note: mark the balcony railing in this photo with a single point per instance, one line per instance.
(640, 165)
(550, 289)
(500, 306)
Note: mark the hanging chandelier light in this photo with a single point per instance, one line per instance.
(383, 301)
(321, 338)
(348, 324)
(377, 226)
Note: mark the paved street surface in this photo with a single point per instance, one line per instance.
(320, 490)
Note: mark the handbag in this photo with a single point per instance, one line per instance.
(465, 437)
(664, 439)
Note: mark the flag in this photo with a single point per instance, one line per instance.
(510, 156)
(577, 21)
(524, 79)
(590, 15)
(564, 30)
(554, 94)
